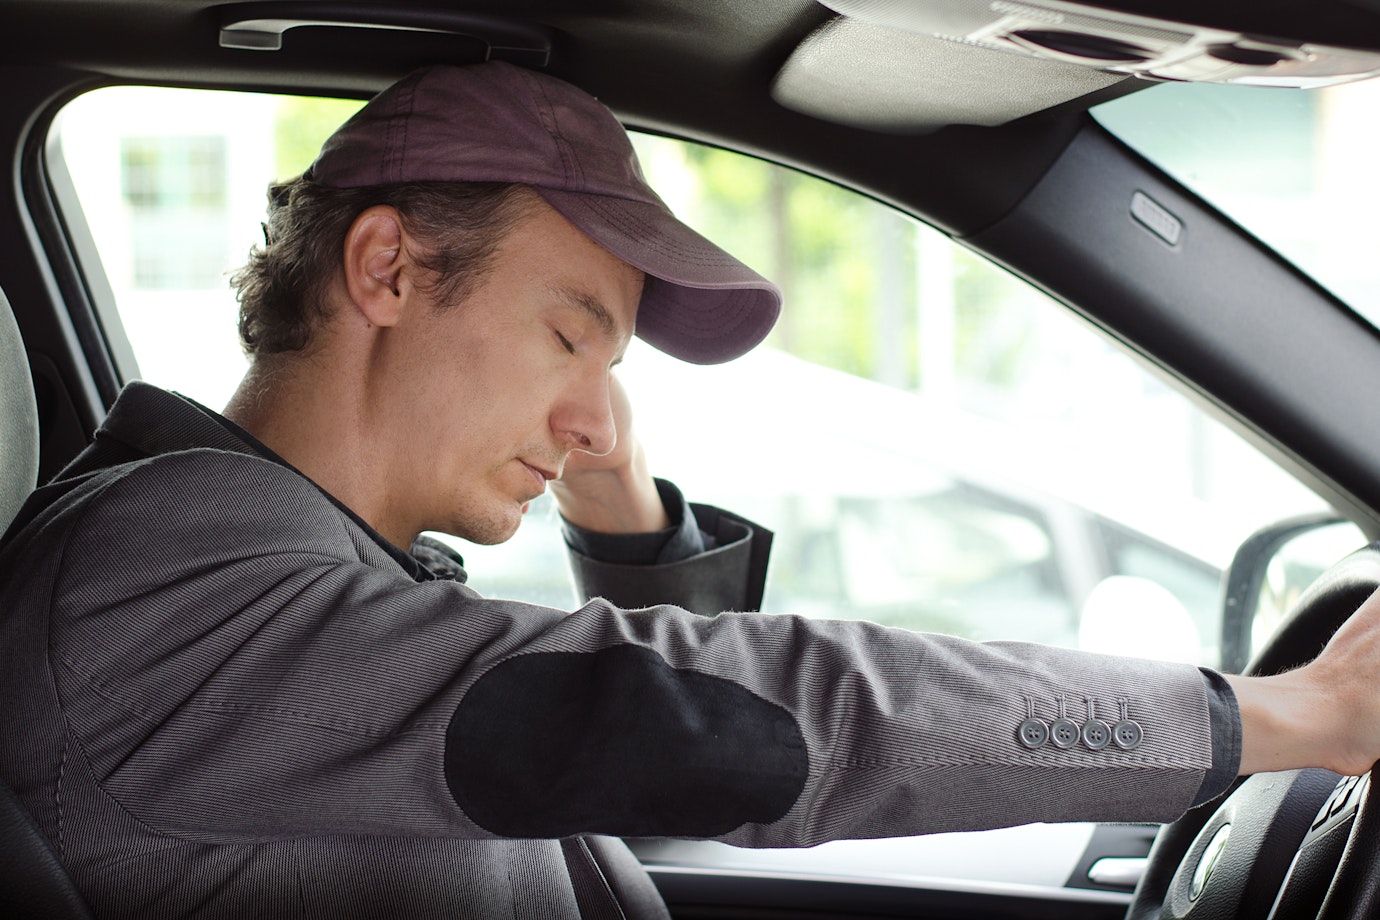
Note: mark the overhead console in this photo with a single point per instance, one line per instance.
(1122, 41)
(912, 66)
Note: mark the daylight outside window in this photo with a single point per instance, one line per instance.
(936, 444)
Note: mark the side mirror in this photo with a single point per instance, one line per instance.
(1268, 573)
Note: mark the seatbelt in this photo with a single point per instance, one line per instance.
(592, 891)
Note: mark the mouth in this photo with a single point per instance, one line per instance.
(539, 475)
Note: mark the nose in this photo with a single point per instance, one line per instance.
(584, 419)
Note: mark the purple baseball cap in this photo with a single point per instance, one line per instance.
(496, 122)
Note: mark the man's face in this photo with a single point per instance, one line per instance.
(510, 381)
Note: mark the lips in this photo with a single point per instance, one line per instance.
(540, 475)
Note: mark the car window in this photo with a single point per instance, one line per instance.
(936, 444)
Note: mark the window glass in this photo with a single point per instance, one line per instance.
(935, 444)
(1179, 594)
(1291, 570)
(174, 192)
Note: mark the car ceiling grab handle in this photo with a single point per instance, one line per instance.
(260, 27)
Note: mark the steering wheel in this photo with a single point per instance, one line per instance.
(1304, 843)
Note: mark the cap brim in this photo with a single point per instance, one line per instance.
(705, 306)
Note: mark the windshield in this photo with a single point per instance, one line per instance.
(1294, 167)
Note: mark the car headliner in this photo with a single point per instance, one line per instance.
(658, 63)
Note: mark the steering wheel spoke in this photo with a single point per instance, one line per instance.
(1239, 860)
(1347, 838)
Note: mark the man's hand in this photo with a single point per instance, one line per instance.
(1326, 713)
(612, 493)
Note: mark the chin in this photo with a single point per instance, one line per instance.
(489, 530)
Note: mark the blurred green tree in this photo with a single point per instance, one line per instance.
(301, 124)
(849, 268)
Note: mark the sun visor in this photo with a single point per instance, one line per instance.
(894, 80)
(1120, 42)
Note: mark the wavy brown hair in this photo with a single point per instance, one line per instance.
(282, 289)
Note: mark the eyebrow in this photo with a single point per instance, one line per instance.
(592, 308)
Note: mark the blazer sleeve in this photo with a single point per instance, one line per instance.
(260, 670)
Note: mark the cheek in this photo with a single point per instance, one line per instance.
(524, 383)
(497, 391)
(504, 418)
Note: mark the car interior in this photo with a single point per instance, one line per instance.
(1044, 262)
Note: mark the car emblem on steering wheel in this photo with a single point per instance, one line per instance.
(1208, 861)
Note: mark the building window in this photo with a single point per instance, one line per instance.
(175, 190)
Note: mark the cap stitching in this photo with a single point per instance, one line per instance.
(397, 149)
(546, 114)
(629, 225)
(400, 163)
(390, 132)
(386, 160)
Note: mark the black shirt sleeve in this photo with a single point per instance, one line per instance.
(682, 540)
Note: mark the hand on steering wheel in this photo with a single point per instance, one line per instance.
(1286, 845)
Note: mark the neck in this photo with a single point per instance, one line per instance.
(316, 421)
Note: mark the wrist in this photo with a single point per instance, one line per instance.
(1285, 724)
(622, 501)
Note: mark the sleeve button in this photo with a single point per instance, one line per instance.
(1064, 733)
(1127, 735)
(1096, 734)
(1033, 733)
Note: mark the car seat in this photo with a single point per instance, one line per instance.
(33, 882)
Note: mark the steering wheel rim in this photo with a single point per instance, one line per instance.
(1354, 890)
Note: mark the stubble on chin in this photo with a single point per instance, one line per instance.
(489, 529)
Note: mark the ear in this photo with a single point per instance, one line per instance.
(377, 270)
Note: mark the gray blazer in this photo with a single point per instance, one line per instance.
(234, 698)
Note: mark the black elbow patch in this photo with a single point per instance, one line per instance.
(619, 742)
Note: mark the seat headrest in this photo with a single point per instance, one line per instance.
(18, 419)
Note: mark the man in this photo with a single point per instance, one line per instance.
(248, 688)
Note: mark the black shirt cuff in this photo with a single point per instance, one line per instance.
(681, 540)
(1224, 716)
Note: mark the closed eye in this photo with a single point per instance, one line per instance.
(565, 343)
